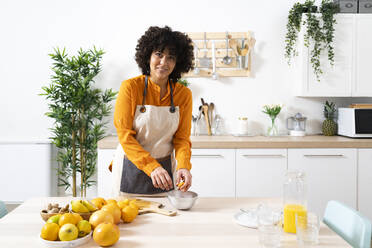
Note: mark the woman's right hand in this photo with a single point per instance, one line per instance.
(161, 179)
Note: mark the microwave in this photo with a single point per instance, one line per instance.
(354, 122)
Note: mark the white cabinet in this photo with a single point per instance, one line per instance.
(260, 172)
(104, 177)
(363, 55)
(331, 175)
(365, 182)
(27, 171)
(350, 75)
(213, 172)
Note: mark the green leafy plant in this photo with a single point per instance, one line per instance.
(78, 110)
(272, 111)
(319, 31)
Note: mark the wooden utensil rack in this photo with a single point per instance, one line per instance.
(219, 38)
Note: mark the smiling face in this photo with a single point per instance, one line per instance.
(162, 64)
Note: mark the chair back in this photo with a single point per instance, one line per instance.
(3, 210)
(351, 225)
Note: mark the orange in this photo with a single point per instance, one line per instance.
(99, 202)
(108, 201)
(67, 218)
(77, 217)
(99, 217)
(50, 231)
(134, 205)
(106, 234)
(123, 203)
(113, 209)
(128, 214)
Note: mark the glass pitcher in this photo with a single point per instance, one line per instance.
(295, 199)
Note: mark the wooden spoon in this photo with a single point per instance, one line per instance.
(234, 46)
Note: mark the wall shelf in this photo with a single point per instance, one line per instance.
(203, 43)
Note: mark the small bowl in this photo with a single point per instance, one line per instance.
(182, 200)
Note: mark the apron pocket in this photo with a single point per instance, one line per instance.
(135, 181)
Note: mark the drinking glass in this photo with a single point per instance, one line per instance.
(269, 227)
(307, 229)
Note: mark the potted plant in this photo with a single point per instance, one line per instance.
(77, 109)
(319, 31)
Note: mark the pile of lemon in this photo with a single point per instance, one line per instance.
(65, 227)
(104, 221)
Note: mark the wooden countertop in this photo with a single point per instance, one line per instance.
(223, 142)
(210, 223)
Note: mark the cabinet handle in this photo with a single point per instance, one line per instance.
(206, 156)
(263, 155)
(323, 155)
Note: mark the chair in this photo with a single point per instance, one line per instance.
(351, 225)
(3, 210)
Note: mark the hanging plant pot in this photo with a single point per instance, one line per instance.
(319, 32)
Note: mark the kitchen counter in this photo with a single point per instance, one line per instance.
(210, 223)
(233, 142)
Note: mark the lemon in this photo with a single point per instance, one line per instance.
(128, 214)
(50, 231)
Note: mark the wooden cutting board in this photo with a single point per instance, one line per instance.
(153, 207)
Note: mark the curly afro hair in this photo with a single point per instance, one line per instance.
(157, 39)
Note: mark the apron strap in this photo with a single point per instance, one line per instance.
(172, 109)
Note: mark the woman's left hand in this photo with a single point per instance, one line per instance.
(184, 175)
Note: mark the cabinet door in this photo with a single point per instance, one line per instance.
(104, 177)
(260, 172)
(363, 55)
(330, 173)
(26, 172)
(336, 80)
(213, 172)
(365, 182)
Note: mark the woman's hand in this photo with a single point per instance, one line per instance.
(184, 175)
(161, 179)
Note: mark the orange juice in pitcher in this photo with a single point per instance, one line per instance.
(290, 211)
(294, 199)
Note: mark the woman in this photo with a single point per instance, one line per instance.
(153, 117)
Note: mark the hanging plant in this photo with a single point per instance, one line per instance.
(319, 31)
(77, 109)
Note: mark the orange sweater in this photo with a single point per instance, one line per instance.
(131, 95)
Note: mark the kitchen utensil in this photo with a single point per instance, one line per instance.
(211, 109)
(227, 60)
(296, 125)
(251, 43)
(196, 69)
(153, 207)
(234, 46)
(206, 116)
(214, 73)
(205, 61)
(182, 200)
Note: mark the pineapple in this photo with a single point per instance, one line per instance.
(329, 126)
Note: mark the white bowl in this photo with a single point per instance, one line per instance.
(67, 244)
(182, 200)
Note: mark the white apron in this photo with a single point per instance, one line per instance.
(155, 127)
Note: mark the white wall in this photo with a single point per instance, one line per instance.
(31, 29)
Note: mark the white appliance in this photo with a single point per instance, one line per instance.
(354, 122)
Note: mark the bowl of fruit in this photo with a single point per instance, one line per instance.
(65, 230)
(83, 207)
